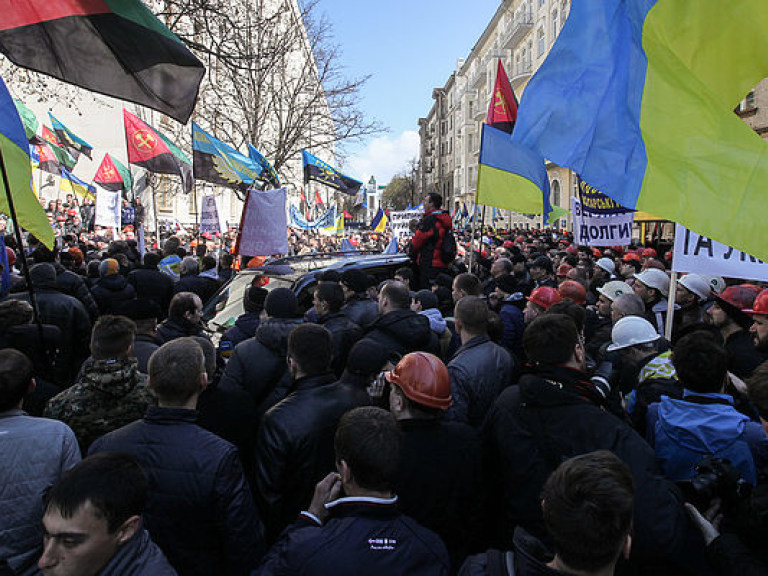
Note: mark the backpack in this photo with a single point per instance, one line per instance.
(448, 250)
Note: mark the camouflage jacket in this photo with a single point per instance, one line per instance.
(109, 395)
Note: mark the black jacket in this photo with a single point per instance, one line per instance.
(479, 371)
(258, 364)
(344, 333)
(143, 347)
(294, 448)
(74, 285)
(172, 329)
(439, 482)
(201, 285)
(742, 356)
(404, 331)
(362, 536)
(555, 415)
(200, 510)
(151, 284)
(111, 292)
(245, 327)
(362, 311)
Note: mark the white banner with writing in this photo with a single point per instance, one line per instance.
(107, 208)
(210, 216)
(399, 222)
(695, 253)
(607, 230)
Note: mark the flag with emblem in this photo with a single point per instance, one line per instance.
(319, 171)
(502, 109)
(113, 175)
(219, 163)
(114, 47)
(43, 156)
(154, 152)
(69, 140)
(64, 157)
(268, 173)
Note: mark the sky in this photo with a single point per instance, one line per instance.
(408, 47)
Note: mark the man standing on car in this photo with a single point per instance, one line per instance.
(427, 243)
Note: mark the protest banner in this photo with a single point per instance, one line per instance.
(399, 222)
(107, 208)
(264, 224)
(610, 229)
(210, 216)
(695, 253)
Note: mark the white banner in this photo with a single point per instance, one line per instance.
(107, 208)
(608, 230)
(265, 224)
(210, 216)
(399, 222)
(694, 253)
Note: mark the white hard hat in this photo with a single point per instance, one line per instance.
(696, 284)
(632, 330)
(607, 265)
(717, 283)
(614, 289)
(655, 278)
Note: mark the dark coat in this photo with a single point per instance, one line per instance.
(245, 327)
(742, 356)
(362, 311)
(201, 285)
(112, 291)
(479, 371)
(137, 557)
(356, 540)
(344, 333)
(73, 285)
(172, 329)
(294, 449)
(143, 347)
(151, 284)
(258, 364)
(200, 510)
(404, 331)
(439, 482)
(555, 415)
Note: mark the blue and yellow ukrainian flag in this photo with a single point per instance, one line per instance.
(70, 183)
(379, 222)
(637, 97)
(15, 152)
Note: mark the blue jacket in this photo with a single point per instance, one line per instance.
(683, 432)
(245, 327)
(363, 536)
(479, 371)
(200, 510)
(514, 325)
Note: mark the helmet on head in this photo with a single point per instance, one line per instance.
(696, 284)
(649, 253)
(424, 379)
(717, 283)
(740, 297)
(632, 330)
(760, 305)
(606, 264)
(597, 253)
(563, 269)
(545, 296)
(573, 290)
(654, 278)
(614, 289)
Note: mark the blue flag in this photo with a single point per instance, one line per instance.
(316, 169)
(219, 163)
(267, 172)
(391, 247)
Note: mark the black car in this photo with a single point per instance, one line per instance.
(299, 273)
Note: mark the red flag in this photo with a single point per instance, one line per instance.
(502, 110)
(302, 198)
(107, 176)
(318, 200)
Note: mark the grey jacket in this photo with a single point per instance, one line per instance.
(138, 557)
(34, 453)
(479, 371)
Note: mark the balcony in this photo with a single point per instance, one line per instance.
(516, 30)
(476, 76)
(522, 72)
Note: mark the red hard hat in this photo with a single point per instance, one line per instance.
(649, 253)
(519, 239)
(573, 290)
(597, 253)
(572, 249)
(564, 241)
(631, 256)
(739, 296)
(424, 379)
(508, 244)
(545, 296)
(563, 269)
(760, 305)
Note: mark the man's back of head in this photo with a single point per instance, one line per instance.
(394, 296)
(177, 372)
(15, 378)
(310, 350)
(587, 504)
(700, 362)
(471, 316)
(551, 340)
(112, 337)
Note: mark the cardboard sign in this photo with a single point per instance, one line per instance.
(264, 224)
(210, 218)
(107, 208)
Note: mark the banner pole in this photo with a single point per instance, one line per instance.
(472, 237)
(671, 306)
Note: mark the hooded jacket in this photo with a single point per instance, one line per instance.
(153, 285)
(245, 327)
(404, 331)
(436, 321)
(173, 328)
(258, 363)
(361, 310)
(111, 291)
(700, 425)
(74, 285)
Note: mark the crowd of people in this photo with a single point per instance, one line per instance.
(516, 412)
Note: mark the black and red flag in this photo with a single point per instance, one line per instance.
(154, 152)
(46, 160)
(114, 47)
(108, 176)
(502, 110)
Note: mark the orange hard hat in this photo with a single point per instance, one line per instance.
(545, 296)
(760, 305)
(739, 296)
(573, 290)
(424, 379)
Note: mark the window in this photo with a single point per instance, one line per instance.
(555, 24)
(540, 43)
(555, 187)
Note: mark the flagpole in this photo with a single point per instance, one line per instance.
(22, 252)
(472, 236)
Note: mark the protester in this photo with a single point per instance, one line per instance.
(152, 284)
(357, 306)
(112, 289)
(426, 247)
(185, 315)
(328, 301)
